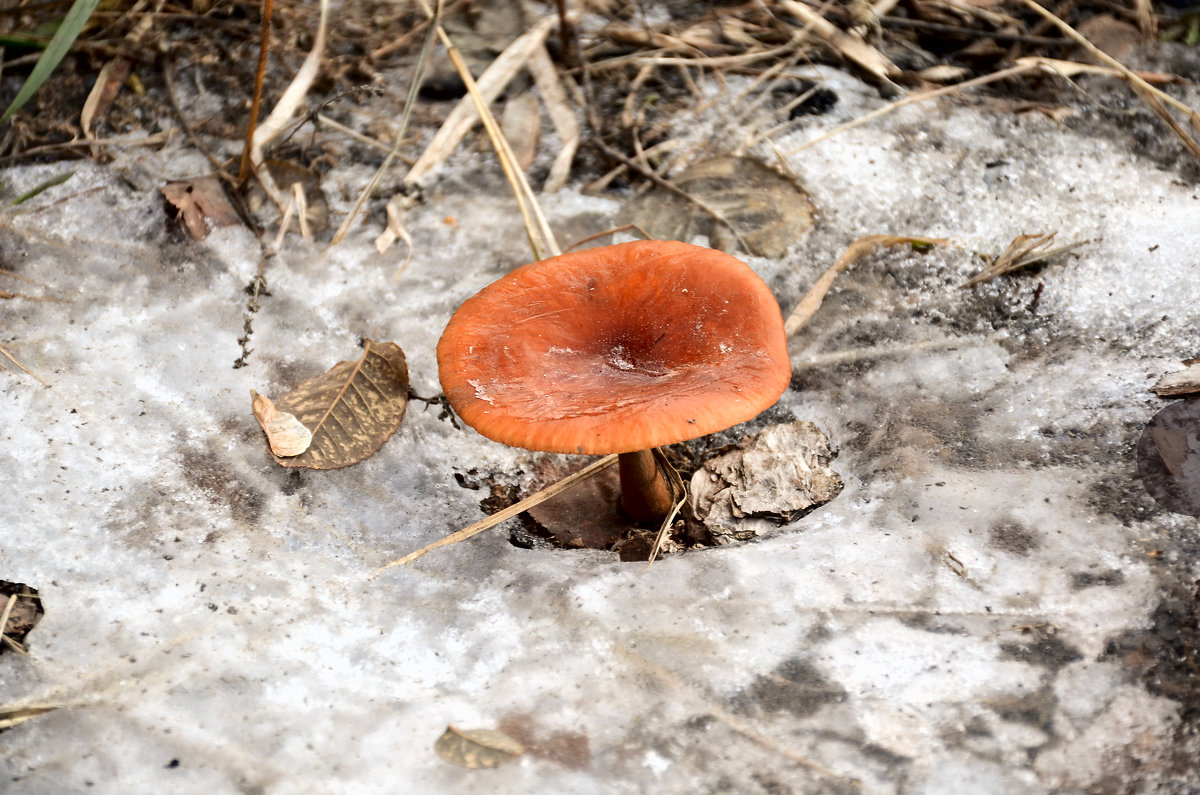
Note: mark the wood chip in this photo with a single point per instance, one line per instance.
(1182, 382)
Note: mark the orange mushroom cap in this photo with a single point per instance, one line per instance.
(616, 349)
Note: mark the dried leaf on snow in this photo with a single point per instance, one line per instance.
(477, 748)
(351, 410)
(767, 210)
(778, 474)
(200, 205)
(286, 435)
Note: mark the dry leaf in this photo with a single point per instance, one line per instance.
(286, 434)
(200, 205)
(351, 410)
(766, 209)
(778, 474)
(108, 83)
(477, 748)
(1110, 34)
(522, 126)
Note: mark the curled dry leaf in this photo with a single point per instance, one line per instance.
(767, 210)
(477, 748)
(200, 205)
(351, 410)
(778, 475)
(286, 434)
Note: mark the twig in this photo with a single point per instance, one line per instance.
(811, 301)
(663, 183)
(507, 513)
(607, 232)
(256, 103)
(279, 116)
(904, 23)
(217, 165)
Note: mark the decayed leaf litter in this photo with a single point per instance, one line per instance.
(806, 653)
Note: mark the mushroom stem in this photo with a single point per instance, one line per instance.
(645, 495)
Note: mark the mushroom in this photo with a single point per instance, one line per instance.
(618, 349)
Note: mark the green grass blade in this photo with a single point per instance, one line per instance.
(50, 183)
(64, 37)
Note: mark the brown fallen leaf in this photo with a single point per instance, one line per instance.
(108, 84)
(351, 410)
(286, 434)
(200, 205)
(477, 748)
(767, 210)
(779, 474)
(1114, 36)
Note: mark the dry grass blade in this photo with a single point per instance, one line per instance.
(466, 113)
(14, 716)
(27, 371)
(551, 91)
(679, 493)
(409, 103)
(911, 99)
(849, 46)
(506, 514)
(541, 238)
(1024, 250)
(860, 248)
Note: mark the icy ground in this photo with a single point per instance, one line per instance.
(993, 604)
